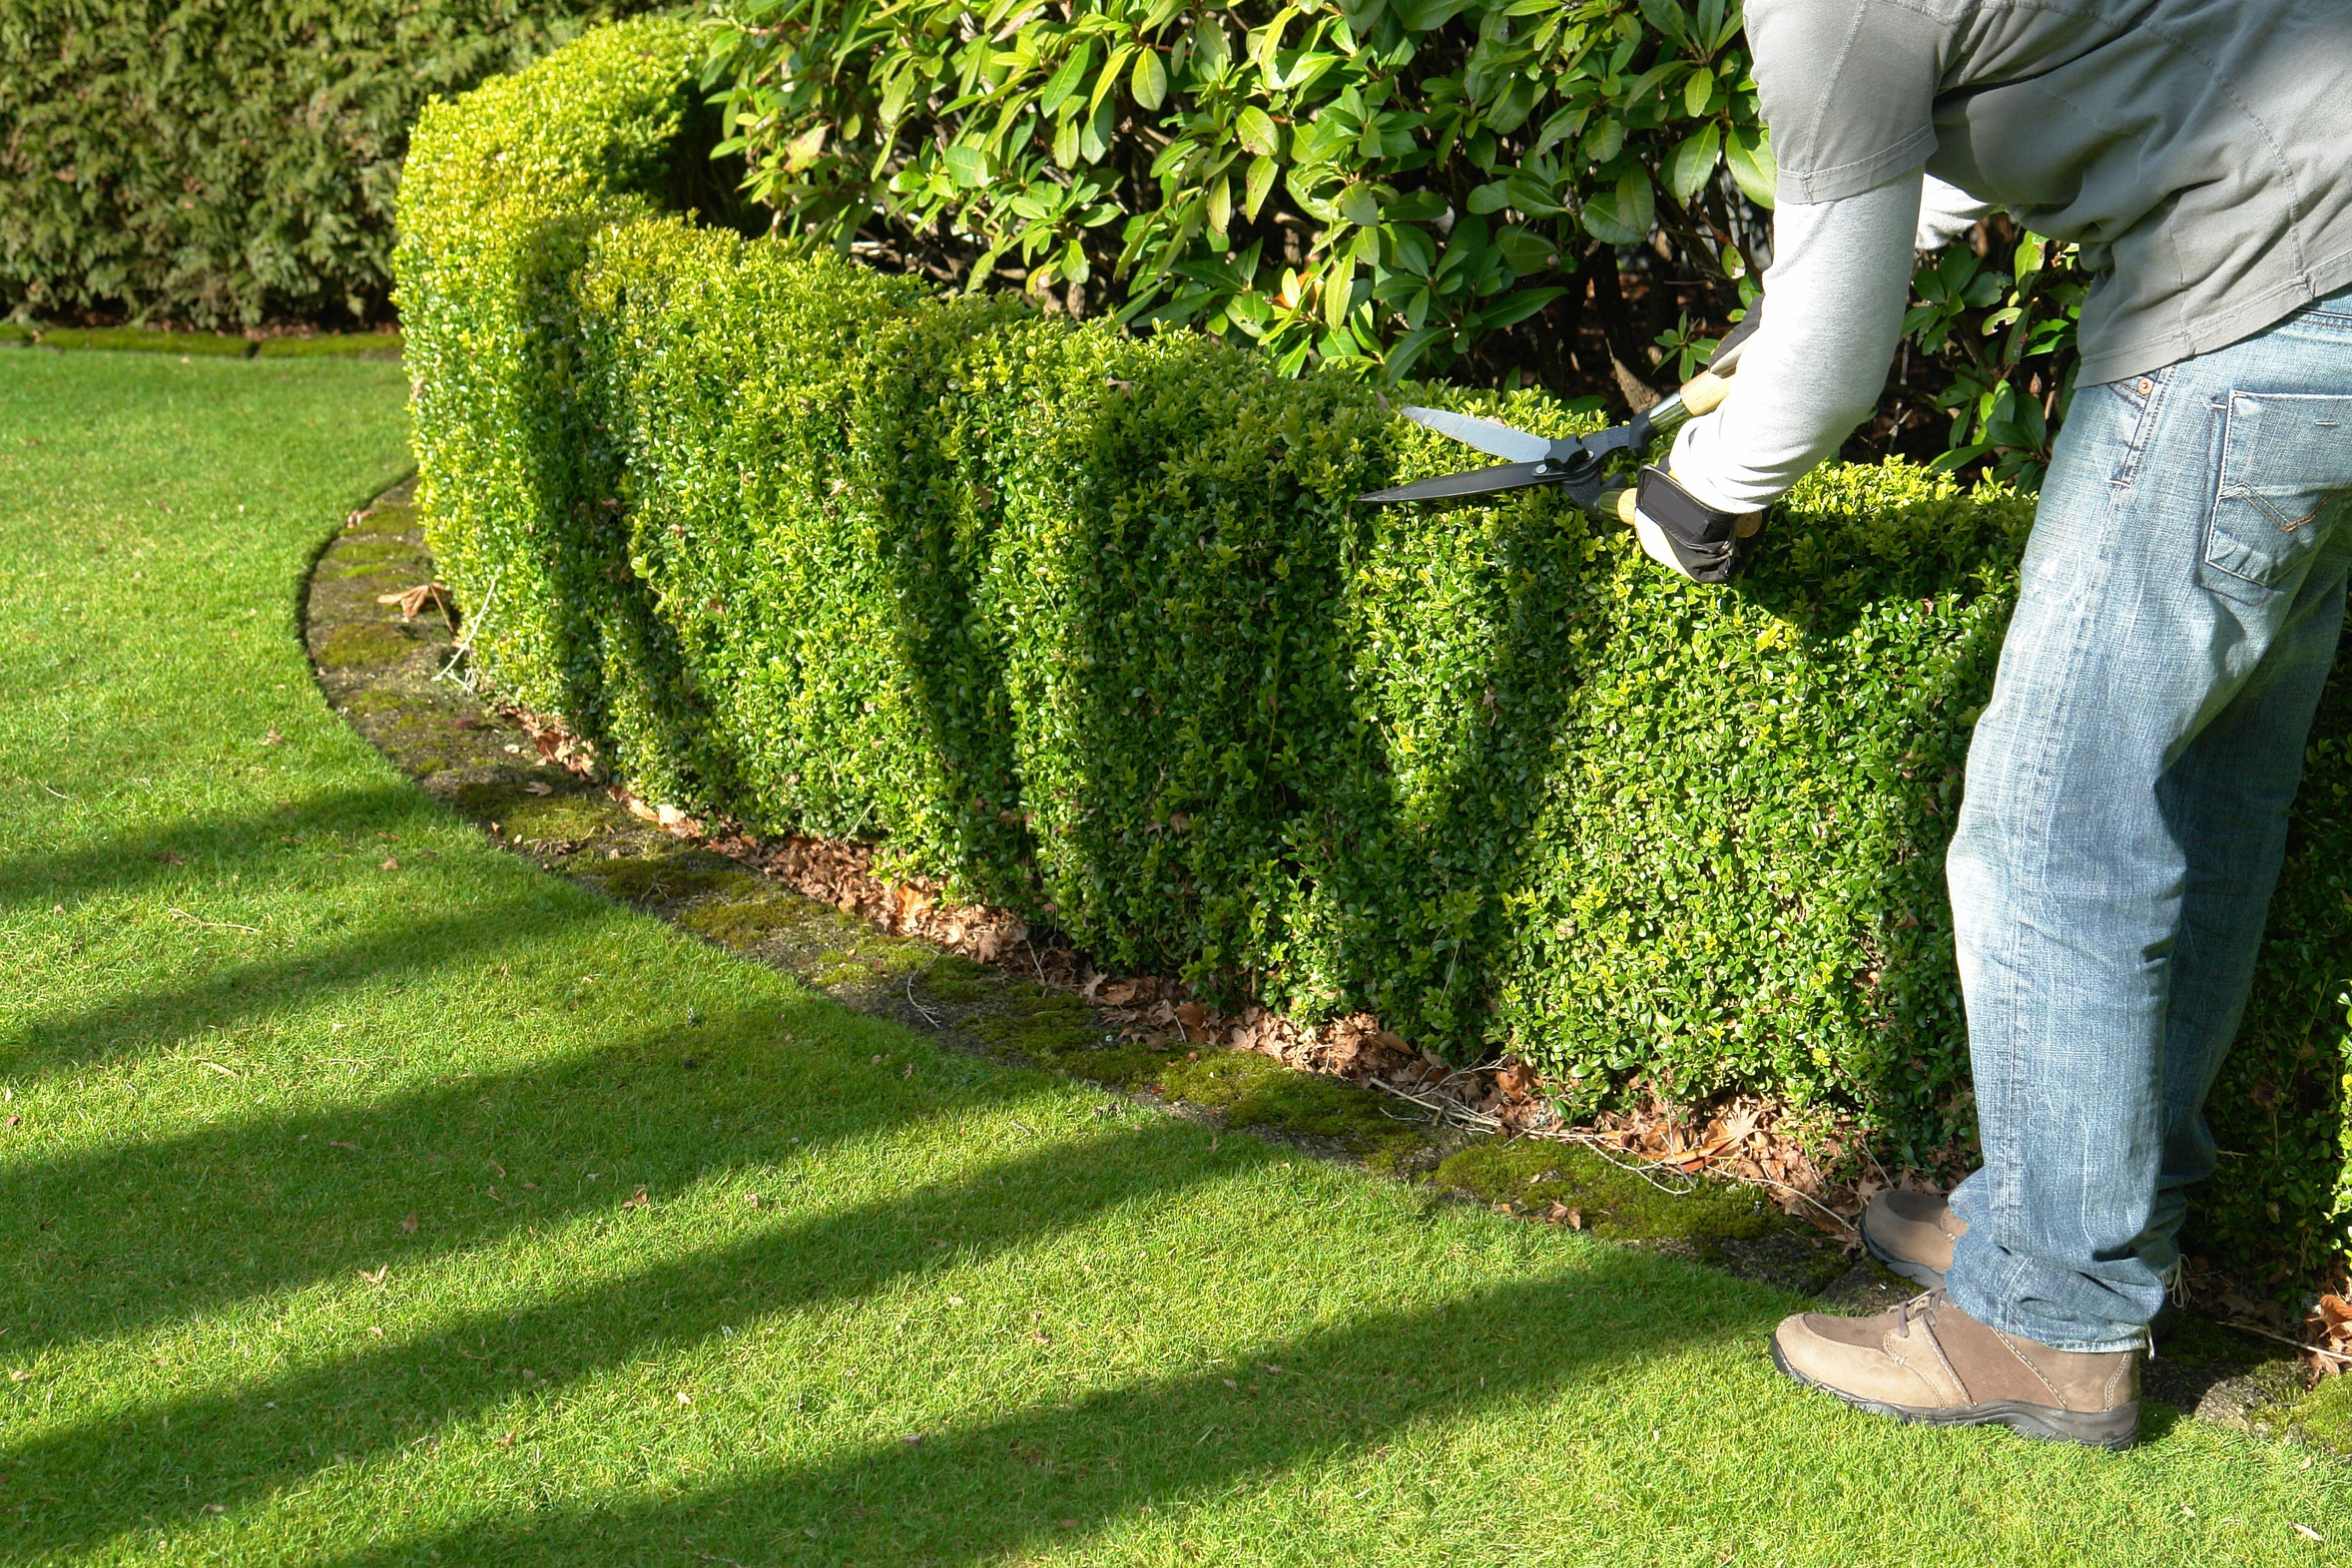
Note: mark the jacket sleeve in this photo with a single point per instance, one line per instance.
(1836, 290)
(1946, 212)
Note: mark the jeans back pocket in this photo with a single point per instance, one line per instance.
(2286, 471)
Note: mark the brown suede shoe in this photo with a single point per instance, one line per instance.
(1927, 1360)
(1912, 1234)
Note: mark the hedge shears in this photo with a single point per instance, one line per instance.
(1578, 464)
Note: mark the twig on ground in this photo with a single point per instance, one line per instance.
(463, 648)
(1454, 1113)
(1451, 1111)
(1645, 1169)
(60, 793)
(928, 1016)
(2280, 1338)
(217, 926)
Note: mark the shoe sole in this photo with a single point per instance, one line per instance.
(1917, 1274)
(2114, 1430)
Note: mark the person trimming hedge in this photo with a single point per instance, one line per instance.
(2127, 786)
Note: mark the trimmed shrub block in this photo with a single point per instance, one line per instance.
(1092, 626)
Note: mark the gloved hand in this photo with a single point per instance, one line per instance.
(1684, 534)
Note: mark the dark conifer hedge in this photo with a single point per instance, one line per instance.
(222, 162)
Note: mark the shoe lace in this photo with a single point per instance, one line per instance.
(1923, 1307)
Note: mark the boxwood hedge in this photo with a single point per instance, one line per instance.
(1088, 625)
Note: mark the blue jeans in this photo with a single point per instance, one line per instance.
(2126, 811)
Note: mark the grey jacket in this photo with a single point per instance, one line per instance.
(2199, 151)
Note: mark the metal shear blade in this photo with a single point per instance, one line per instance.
(1575, 464)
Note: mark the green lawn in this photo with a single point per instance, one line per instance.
(319, 1237)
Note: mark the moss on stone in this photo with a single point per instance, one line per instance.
(548, 818)
(1257, 1091)
(670, 878)
(363, 644)
(744, 925)
(2322, 1416)
(956, 978)
(1042, 1025)
(371, 554)
(1614, 1202)
(372, 701)
(385, 517)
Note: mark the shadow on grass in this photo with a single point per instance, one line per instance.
(157, 1016)
(1045, 1475)
(118, 1239)
(115, 1471)
(245, 843)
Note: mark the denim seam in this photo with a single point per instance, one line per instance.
(2142, 429)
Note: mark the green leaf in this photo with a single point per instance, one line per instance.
(1261, 181)
(1693, 162)
(1515, 307)
(1422, 16)
(1492, 196)
(1256, 130)
(1414, 207)
(1095, 138)
(1151, 83)
(1064, 83)
(2028, 259)
(1697, 92)
(1407, 350)
(802, 150)
(1338, 295)
(1531, 197)
(1526, 251)
(1109, 79)
(1219, 206)
(966, 166)
(1359, 206)
(1623, 215)
(1752, 165)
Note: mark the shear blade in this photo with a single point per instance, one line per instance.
(1479, 481)
(1497, 440)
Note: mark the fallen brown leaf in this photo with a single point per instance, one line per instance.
(376, 1277)
(534, 786)
(508, 1441)
(638, 1202)
(408, 1222)
(337, 1143)
(391, 864)
(411, 600)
